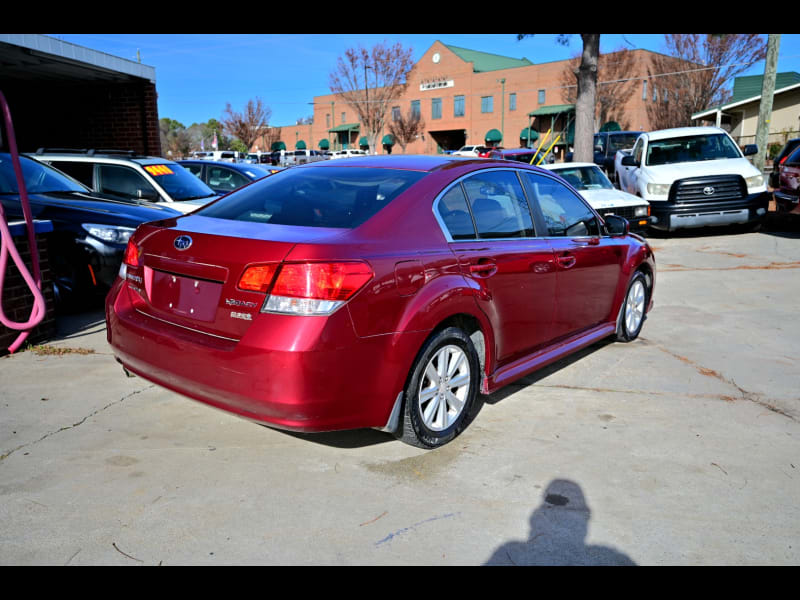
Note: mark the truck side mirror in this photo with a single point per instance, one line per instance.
(629, 161)
(750, 149)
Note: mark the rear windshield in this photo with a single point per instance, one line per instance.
(342, 197)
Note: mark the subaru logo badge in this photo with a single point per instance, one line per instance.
(708, 191)
(182, 242)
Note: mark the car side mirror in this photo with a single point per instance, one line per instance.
(598, 148)
(629, 161)
(617, 226)
(750, 149)
(148, 195)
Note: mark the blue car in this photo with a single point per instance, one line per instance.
(90, 231)
(224, 177)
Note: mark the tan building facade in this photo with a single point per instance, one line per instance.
(470, 97)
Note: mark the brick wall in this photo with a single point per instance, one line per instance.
(86, 115)
(17, 299)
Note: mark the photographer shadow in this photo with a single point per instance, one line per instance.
(558, 529)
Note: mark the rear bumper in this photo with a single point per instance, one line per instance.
(306, 374)
(786, 202)
(669, 216)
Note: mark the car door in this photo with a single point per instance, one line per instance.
(490, 230)
(588, 264)
(124, 183)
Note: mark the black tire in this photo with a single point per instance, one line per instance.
(418, 427)
(638, 294)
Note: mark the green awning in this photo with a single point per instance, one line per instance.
(300, 145)
(493, 136)
(346, 127)
(363, 142)
(324, 144)
(388, 140)
(529, 134)
(554, 109)
(611, 126)
(278, 146)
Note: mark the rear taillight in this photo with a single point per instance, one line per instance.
(132, 258)
(132, 255)
(257, 278)
(316, 288)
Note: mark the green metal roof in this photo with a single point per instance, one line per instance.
(553, 109)
(345, 127)
(747, 87)
(483, 61)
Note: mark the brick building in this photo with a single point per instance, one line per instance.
(471, 97)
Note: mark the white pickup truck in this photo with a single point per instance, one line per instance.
(693, 177)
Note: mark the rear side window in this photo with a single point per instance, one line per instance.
(794, 158)
(341, 197)
(453, 212)
(82, 171)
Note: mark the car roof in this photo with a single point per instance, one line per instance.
(89, 156)
(569, 165)
(682, 132)
(410, 162)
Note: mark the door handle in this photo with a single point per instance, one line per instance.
(567, 261)
(486, 269)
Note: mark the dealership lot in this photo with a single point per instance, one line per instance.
(682, 447)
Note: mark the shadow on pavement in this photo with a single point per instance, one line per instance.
(557, 536)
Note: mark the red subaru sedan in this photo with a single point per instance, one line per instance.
(384, 292)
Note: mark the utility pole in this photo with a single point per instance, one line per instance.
(767, 92)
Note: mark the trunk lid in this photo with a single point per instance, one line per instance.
(190, 271)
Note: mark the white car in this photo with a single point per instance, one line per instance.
(348, 153)
(469, 151)
(591, 183)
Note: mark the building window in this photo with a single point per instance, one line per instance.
(512, 102)
(487, 104)
(436, 108)
(541, 96)
(655, 94)
(342, 119)
(328, 120)
(458, 106)
(415, 108)
(644, 90)
(395, 113)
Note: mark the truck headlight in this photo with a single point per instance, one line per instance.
(755, 181)
(109, 233)
(658, 189)
(640, 211)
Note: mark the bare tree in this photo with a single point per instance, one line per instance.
(614, 86)
(696, 74)
(247, 125)
(371, 95)
(406, 128)
(586, 75)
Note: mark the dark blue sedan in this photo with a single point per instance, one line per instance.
(224, 177)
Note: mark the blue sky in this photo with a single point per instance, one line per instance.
(197, 74)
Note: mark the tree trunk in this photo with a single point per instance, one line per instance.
(585, 103)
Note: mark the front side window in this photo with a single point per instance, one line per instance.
(498, 205)
(512, 102)
(565, 214)
(124, 182)
(225, 179)
(415, 110)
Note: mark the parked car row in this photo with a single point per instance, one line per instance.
(96, 200)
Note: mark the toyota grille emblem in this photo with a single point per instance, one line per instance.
(182, 242)
(708, 191)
